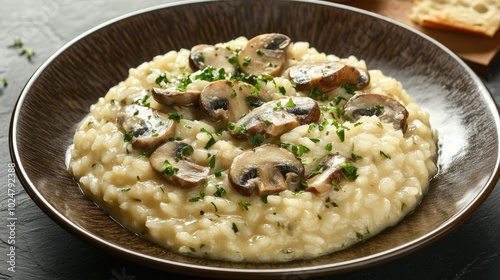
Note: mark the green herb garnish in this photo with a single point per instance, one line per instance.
(162, 78)
(384, 154)
(220, 191)
(175, 116)
(244, 204)
(257, 139)
(168, 169)
(349, 171)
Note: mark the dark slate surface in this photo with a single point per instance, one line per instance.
(46, 251)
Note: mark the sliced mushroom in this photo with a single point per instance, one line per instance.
(173, 161)
(277, 117)
(386, 108)
(175, 97)
(327, 76)
(207, 55)
(147, 127)
(228, 101)
(268, 169)
(328, 171)
(264, 54)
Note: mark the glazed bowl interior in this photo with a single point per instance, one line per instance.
(59, 94)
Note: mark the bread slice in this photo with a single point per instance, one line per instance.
(474, 16)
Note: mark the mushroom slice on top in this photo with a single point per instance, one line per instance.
(173, 161)
(267, 168)
(264, 54)
(327, 173)
(207, 55)
(386, 108)
(228, 101)
(277, 117)
(175, 97)
(327, 76)
(147, 127)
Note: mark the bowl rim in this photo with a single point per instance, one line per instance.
(194, 269)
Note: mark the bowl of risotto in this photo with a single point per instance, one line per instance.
(222, 138)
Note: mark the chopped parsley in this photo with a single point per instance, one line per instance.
(29, 53)
(241, 129)
(144, 101)
(246, 61)
(349, 171)
(211, 141)
(211, 74)
(21, 50)
(184, 83)
(220, 191)
(283, 145)
(128, 136)
(336, 100)
(187, 151)
(233, 59)
(350, 89)
(316, 93)
(282, 90)
(257, 139)
(359, 236)
(341, 134)
(355, 157)
(211, 164)
(218, 173)
(384, 154)
(162, 78)
(290, 103)
(318, 170)
(175, 116)
(168, 169)
(18, 43)
(322, 125)
(197, 198)
(328, 147)
(4, 82)
(230, 125)
(300, 150)
(337, 112)
(244, 204)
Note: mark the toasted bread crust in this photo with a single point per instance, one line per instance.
(477, 17)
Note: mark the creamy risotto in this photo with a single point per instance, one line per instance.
(255, 150)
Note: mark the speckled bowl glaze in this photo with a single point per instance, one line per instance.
(59, 94)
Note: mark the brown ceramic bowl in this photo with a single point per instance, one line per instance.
(59, 95)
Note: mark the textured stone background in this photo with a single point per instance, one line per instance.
(46, 251)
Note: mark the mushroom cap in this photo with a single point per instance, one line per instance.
(264, 54)
(175, 97)
(277, 117)
(204, 55)
(331, 171)
(386, 108)
(327, 76)
(149, 127)
(183, 172)
(268, 169)
(227, 101)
